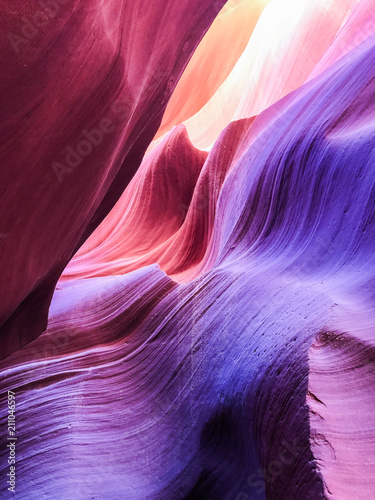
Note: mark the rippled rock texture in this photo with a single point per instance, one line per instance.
(187, 249)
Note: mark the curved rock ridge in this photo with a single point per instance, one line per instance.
(140, 231)
(148, 216)
(83, 90)
(290, 197)
(244, 149)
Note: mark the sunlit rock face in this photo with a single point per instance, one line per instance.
(213, 335)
